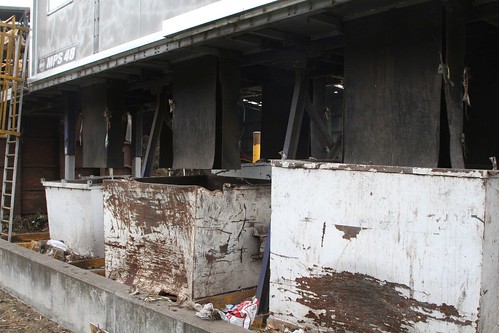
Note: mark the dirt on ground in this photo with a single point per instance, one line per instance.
(28, 223)
(17, 317)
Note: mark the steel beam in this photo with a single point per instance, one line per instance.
(295, 115)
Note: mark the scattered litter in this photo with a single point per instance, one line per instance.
(295, 331)
(243, 314)
(208, 312)
(272, 328)
(133, 290)
(156, 298)
(58, 250)
(57, 245)
(191, 305)
(228, 307)
(96, 329)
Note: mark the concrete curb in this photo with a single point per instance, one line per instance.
(74, 298)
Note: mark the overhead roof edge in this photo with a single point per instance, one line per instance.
(235, 18)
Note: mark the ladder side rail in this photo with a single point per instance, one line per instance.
(3, 210)
(13, 185)
(8, 68)
(17, 129)
(5, 81)
(23, 77)
(12, 125)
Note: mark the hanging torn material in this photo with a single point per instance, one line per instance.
(466, 91)
(102, 106)
(80, 119)
(107, 116)
(127, 117)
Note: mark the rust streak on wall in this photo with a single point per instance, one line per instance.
(361, 303)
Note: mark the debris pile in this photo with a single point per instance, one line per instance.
(242, 314)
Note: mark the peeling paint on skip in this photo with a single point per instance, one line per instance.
(323, 233)
(469, 173)
(348, 231)
(180, 238)
(361, 303)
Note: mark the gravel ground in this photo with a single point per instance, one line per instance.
(15, 316)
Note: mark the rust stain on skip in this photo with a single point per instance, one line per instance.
(361, 303)
(153, 263)
(348, 231)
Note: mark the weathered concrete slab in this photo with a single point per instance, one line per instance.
(75, 298)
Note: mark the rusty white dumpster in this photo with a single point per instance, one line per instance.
(189, 237)
(75, 214)
(384, 249)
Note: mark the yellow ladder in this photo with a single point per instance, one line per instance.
(14, 51)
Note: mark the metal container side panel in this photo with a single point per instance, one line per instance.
(489, 304)
(226, 222)
(71, 25)
(76, 217)
(149, 235)
(359, 250)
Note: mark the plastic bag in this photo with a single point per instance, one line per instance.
(243, 314)
(58, 245)
(208, 312)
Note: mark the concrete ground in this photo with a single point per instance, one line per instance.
(15, 317)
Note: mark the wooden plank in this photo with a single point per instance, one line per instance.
(89, 263)
(236, 297)
(32, 245)
(26, 245)
(27, 237)
(40, 152)
(30, 178)
(98, 271)
(33, 202)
